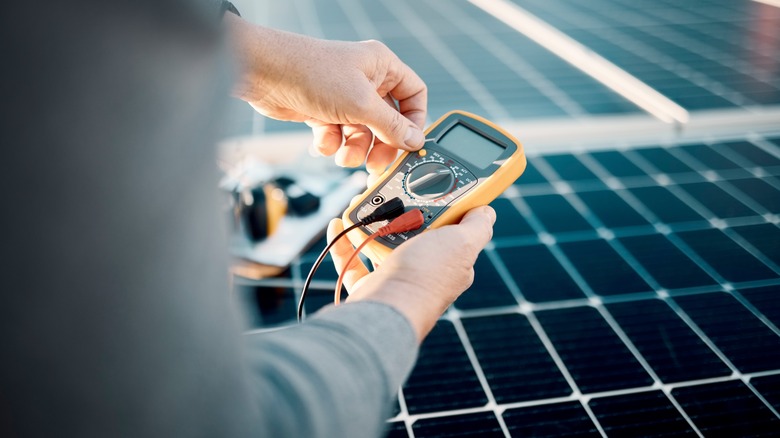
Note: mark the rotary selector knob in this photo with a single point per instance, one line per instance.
(430, 180)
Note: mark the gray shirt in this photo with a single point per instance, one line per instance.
(115, 314)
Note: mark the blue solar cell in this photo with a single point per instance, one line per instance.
(556, 214)
(769, 387)
(647, 414)
(483, 424)
(603, 269)
(717, 201)
(538, 274)
(611, 210)
(663, 160)
(488, 289)
(531, 175)
(617, 164)
(514, 360)
(766, 300)
(509, 221)
(670, 267)
(710, 158)
(443, 378)
(764, 237)
(567, 419)
(729, 259)
(671, 348)
(727, 409)
(569, 168)
(761, 191)
(752, 153)
(665, 206)
(594, 355)
(748, 343)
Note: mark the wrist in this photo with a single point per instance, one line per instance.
(422, 307)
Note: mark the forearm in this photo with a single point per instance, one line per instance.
(334, 375)
(261, 56)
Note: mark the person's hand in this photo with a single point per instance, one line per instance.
(347, 92)
(422, 277)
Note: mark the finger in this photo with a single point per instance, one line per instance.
(341, 252)
(357, 141)
(412, 95)
(327, 137)
(475, 229)
(380, 156)
(390, 126)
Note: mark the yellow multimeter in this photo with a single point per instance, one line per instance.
(466, 162)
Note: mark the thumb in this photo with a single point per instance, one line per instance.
(391, 127)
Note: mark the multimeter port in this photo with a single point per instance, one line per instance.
(377, 200)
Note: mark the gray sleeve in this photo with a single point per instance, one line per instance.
(334, 375)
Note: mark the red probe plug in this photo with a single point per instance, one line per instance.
(411, 220)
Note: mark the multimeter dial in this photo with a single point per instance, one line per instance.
(429, 181)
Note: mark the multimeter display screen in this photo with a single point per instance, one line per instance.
(470, 146)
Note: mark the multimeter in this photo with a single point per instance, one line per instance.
(466, 162)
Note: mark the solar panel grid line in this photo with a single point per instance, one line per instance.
(626, 255)
(718, 167)
(503, 272)
(614, 243)
(715, 409)
(753, 167)
(444, 55)
(650, 418)
(755, 252)
(514, 61)
(550, 348)
(761, 396)
(762, 143)
(735, 373)
(452, 315)
(537, 327)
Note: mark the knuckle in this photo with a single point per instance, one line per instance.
(376, 45)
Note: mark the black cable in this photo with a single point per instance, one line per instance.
(387, 211)
(316, 266)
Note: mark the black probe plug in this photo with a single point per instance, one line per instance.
(387, 211)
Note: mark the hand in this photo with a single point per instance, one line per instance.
(342, 90)
(422, 277)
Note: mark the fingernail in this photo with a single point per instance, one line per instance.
(313, 150)
(414, 137)
(491, 214)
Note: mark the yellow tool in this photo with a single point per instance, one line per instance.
(466, 162)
